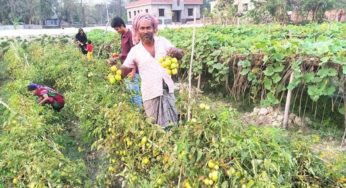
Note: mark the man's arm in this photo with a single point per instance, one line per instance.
(125, 71)
(129, 63)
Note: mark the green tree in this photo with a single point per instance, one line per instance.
(311, 9)
(316, 8)
(5, 10)
(69, 11)
(47, 8)
(278, 10)
(225, 10)
(340, 4)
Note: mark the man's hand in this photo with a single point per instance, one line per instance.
(175, 52)
(112, 61)
(131, 75)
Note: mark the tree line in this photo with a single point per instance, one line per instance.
(68, 11)
(264, 11)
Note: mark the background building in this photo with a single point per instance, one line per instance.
(166, 11)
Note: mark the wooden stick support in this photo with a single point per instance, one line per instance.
(288, 102)
(190, 69)
(343, 141)
(199, 81)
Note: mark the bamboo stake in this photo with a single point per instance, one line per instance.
(199, 81)
(324, 109)
(300, 100)
(343, 141)
(181, 172)
(288, 102)
(191, 60)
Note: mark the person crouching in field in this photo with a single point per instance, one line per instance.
(47, 95)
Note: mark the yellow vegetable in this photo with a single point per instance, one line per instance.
(174, 71)
(145, 160)
(112, 80)
(117, 77)
(114, 68)
(174, 65)
(211, 164)
(174, 60)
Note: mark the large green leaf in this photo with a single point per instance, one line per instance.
(276, 78)
(326, 72)
(267, 83)
(269, 71)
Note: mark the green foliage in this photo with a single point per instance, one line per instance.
(276, 10)
(316, 7)
(39, 149)
(105, 42)
(264, 55)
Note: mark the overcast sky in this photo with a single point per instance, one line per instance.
(92, 2)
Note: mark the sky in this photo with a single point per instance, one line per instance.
(92, 2)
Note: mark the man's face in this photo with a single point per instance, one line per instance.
(120, 30)
(146, 30)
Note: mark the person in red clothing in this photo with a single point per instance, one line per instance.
(89, 49)
(119, 26)
(47, 95)
(132, 83)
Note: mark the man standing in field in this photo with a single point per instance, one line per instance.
(157, 86)
(126, 44)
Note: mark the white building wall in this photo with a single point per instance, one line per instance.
(185, 12)
(242, 4)
(167, 11)
(137, 10)
(212, 5)
(176, 6)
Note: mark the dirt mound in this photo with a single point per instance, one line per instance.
(264, 116)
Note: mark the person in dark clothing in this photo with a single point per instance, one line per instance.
(81, 40)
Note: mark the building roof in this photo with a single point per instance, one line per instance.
(140, 3)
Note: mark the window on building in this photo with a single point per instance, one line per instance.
(161, 12)
(134, 13)
(245, 7)
(146, 10)
(129, 14)
(190, 12)
(138, 11)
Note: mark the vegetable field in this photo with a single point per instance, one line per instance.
(100, 139)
